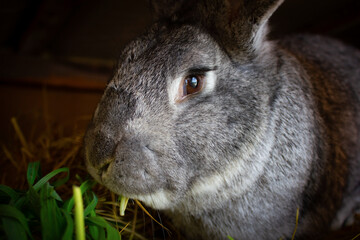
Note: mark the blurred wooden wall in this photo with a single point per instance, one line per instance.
(67, 48)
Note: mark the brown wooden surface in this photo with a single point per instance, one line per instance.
(44, 72)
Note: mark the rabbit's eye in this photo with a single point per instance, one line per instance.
(192, 84)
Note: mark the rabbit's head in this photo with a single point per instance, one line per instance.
(187, 104)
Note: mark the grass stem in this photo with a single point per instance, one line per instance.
(79, 214)
(296, 224)
(19, 133)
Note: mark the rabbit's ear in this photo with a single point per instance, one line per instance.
(243, 33)
(239, 26)
(258, 13)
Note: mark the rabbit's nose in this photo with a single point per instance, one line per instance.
(100, 150)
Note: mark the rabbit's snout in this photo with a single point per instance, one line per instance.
(100, 151)
(126, 162)
(105, 132)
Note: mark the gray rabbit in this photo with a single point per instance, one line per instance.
(230, 133)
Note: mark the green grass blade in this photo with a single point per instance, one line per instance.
(62, 181)
(69, 230)
(13, 229)
(52, 222)
(6, 191)
(32, 172)
(79, 214)
(20, 202)
(7, 211)
(112, 233)
(33, 201)
(46, 178)
(95, 232)
(56, 196)
(91, 206)
(102, 233)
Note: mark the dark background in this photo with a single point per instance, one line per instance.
(68, 29)
(56, 55)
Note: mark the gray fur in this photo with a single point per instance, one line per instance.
(279, 131)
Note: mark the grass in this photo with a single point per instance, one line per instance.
(41, 209)
(36, 206)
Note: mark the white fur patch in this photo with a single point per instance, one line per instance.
(259, 43)
(210, 82)
(173, 90)
(212, 184)
(159, 200)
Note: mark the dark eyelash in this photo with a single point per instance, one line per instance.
(200, 70)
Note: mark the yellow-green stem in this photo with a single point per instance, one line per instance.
(79, 214)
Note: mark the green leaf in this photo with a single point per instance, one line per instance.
(8, 211)
(52, 222)
(33, 203)
(13, 229)
(91, 206)
(96, 232)
(50, 175)
(62, 181)
(56, 196)
(32, 172)
(112, 233)
(20, 202)
(40, 204)
(5, 190)
(69, 230)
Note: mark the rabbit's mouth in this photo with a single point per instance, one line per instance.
(158, 199)
(153, 196)
(161, 199)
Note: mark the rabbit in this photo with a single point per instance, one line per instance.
(227, 132)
